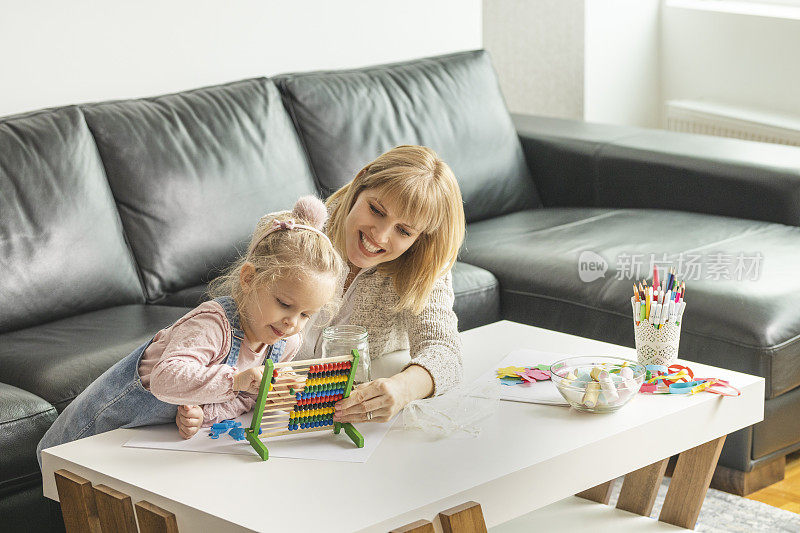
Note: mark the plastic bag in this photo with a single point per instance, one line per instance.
(456, 412)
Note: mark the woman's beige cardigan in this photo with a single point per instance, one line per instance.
(431, 336)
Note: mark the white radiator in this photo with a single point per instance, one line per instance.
(709, 118)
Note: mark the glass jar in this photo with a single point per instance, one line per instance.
(340, 340)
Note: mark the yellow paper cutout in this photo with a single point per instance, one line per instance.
(510, 371)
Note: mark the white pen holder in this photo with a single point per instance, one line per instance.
(657, 346)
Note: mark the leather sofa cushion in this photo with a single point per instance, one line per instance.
(193, 172)
(751, 326)
(450, 103)
(62, 250)
(781, 426)
(477, 296)
(24, 419)
(56, 361)
(188, 297)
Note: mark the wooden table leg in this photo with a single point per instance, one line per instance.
(115, 510)
(464, 518)
(689, 484)
(600, 493)
(640, 488)
(154, 519)
(77, 503)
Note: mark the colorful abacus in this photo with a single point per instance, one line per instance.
(303, 399)
(324, 386)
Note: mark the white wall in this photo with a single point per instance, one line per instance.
(537, 48)
(595, 60)
(56, 52)
(733, 58)
(622, 77)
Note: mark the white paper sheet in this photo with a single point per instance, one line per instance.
(544, 392)
(319, 445)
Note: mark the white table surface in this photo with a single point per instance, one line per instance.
(526, 457)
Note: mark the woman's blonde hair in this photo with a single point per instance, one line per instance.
(286, 254)
(428, 194)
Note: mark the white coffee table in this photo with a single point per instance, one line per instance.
(527, 456)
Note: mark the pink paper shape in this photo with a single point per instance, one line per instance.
(539, 374)
(648, 387)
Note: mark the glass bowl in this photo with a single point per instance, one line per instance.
(573, 379)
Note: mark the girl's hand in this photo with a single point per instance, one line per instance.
(249, 380)
(284, 384)
(375, 401)
(189, 419)
(287, 379)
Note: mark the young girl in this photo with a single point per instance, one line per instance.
(213, 356)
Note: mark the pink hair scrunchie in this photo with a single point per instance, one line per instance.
(308, 206)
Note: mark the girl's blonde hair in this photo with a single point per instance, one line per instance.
(286, 254)
(428, 194)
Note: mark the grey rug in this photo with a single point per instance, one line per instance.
(724, 513)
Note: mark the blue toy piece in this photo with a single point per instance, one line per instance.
(222, 427)
(237, 434)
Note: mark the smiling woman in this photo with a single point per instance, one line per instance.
(399, 224)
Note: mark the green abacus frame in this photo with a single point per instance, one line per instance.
(265, 389)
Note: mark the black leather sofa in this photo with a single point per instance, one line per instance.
(115, 215)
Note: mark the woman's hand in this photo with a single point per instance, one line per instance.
(375, 401)
(380, 400)
(189, 419)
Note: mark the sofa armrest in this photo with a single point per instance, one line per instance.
(576, 163)
(24, 419)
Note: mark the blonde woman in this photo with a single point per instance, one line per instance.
(399, 225)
